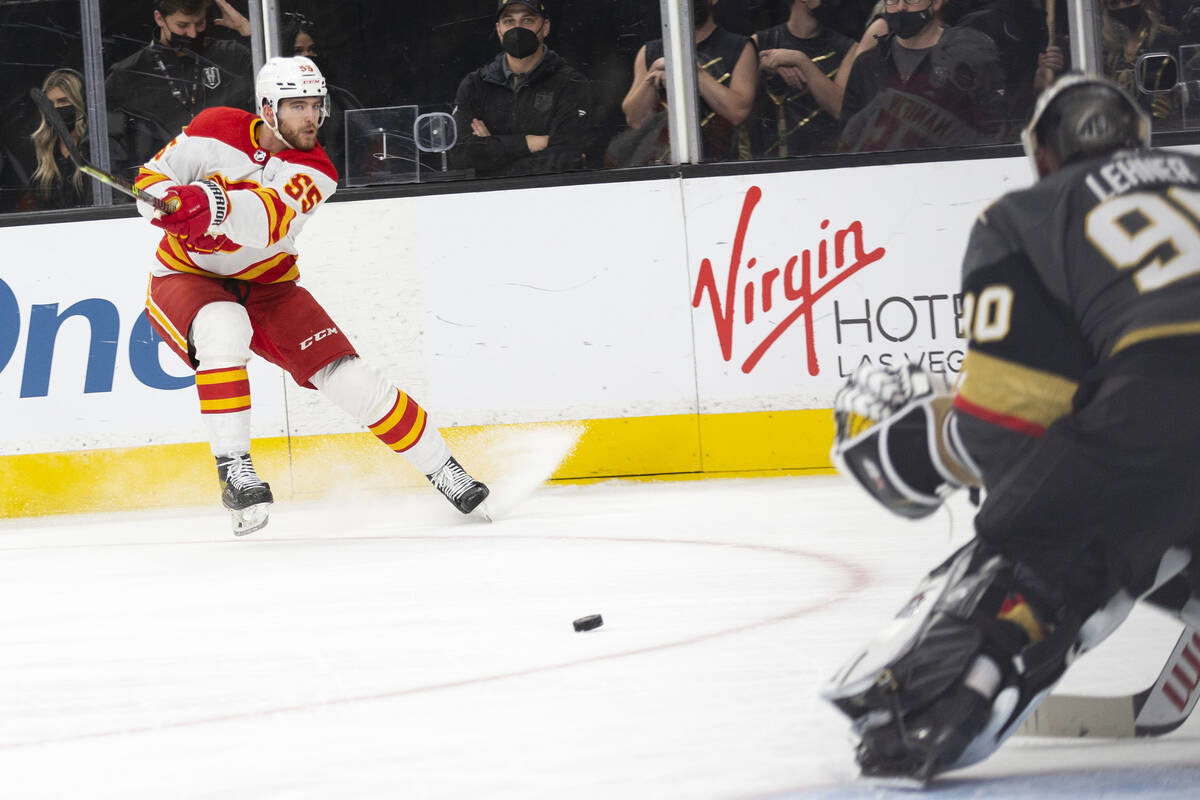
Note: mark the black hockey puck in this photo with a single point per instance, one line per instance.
(588, 622)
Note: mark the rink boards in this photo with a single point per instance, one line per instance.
(685, 326)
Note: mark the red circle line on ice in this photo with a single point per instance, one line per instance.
(856, 579)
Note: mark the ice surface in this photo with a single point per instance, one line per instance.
(394, 649)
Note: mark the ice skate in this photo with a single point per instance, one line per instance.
(461, 489)
(247, 496)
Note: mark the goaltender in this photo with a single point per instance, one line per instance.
(1076, 413)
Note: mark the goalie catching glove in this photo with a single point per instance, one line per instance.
(197, 208)
(892, 437)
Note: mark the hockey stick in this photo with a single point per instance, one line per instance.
(60, 130)
(1154, 711)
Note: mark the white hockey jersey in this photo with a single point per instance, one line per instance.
(270, 198)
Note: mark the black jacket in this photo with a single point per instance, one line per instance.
(159, 91)
(951, 98)
(554, 100)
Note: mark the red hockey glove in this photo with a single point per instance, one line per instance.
(199, 206)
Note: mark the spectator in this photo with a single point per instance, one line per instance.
(1050, 64)
(19, 118)
(161, 87)
(923, 85)
(55, 182)
(526, 111)
(299, 33)
(851, 17)
(799, 60)
(727, 77)
(1129, 29)
(875, 29)
(1021, 35)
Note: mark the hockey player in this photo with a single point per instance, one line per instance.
(225, 284)
(1076, 415)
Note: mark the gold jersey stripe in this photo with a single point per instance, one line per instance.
(146, 179)
(161, 319)
(255, 270)
(1014, 390)
(291, 275)
(1155, 332)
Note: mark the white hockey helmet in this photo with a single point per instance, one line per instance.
(295, 76)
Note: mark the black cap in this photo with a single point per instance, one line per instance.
(533, 5)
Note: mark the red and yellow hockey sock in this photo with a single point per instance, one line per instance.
(223, 391)
(403, 425)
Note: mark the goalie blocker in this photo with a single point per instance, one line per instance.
(896, 437)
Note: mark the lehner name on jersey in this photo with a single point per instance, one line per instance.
(1128, 171)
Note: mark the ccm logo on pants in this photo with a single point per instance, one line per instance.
(316, 337)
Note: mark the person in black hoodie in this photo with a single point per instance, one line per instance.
(526, 111)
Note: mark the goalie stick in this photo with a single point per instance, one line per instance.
(1154, 711)
(60, 130)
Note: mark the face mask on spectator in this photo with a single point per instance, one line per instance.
(907, 24)
(67, 115)
(194, 43)
(826, 14)
(703, 10)
(520, 42)
(1129, 16)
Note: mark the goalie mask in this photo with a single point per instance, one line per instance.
(1083, 116)
(284, 78)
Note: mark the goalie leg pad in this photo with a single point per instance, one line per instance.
(978, 645)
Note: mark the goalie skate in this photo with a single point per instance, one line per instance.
(247, 496)
(459, 488)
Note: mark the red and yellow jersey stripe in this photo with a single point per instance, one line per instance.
(175, 254)
(279, 214)
(147, 178)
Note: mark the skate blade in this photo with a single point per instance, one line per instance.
(484, 512)
(909, 783)
(250, 519)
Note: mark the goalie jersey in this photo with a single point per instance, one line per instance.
(271, 196)
(1058, 279)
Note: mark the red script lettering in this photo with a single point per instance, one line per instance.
(801, 294)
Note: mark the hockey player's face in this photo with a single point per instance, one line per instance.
(298, 121)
